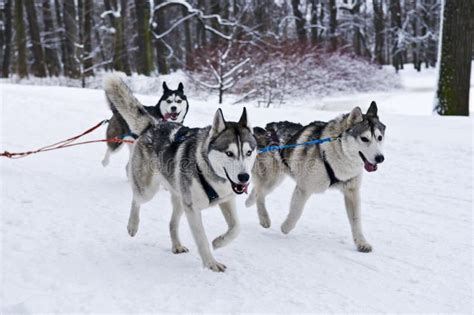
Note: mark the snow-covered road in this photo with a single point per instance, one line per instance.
(65, 247)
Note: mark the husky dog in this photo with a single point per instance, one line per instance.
(172, 106)
(201, 167)
(316, 168)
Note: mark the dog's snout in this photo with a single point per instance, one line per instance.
(173, 108)
(379, 158)
(243, 177)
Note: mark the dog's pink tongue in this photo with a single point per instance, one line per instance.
(246, 187)
(369, 167)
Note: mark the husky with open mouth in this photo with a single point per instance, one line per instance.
(315, 168)
(172, 106)
(201, 167)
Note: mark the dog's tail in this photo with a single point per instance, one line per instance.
(122, 101)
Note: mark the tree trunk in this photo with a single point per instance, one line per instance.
(51, 56)
(314, 22)
(163, 67)
(7, 39)
(62, 35)
(333, 24)
(396, 25)
(71, 67)
(379, 31)
(300, 21)
(88, 58)
(188, 40)
(145, 52)
(452, 96)
(38, 67)
(121, 62)
(200, 30)
(20, 39)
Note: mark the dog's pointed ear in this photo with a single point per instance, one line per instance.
(218, 124)
(180, 87)
(165, 87)
(372, 111)
(356, 116)
(243, 121)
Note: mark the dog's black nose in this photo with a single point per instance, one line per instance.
(243, 177)
(173, 108)
(379, 158)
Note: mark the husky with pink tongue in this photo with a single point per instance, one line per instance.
(315, 168)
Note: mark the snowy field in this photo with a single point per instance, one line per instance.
(65, 248)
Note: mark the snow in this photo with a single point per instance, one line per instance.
(65, 248)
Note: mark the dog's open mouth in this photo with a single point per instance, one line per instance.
(369, 167)
(171, 116)
(237, 188)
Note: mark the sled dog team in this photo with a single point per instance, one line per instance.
(204, 167)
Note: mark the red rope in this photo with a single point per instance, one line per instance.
(65, 143)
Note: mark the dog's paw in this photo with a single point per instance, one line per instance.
(286, 227)
(364, 247)
(218, 242)
(265, 221)
(132, 227)
(105, 162)
(179, 249)
(216, 266)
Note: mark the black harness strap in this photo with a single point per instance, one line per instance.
(210, 192)
(332, 177)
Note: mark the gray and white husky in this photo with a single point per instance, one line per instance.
(201, 167)
(315, 168)
(172, 106)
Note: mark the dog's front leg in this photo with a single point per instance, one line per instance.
(230, 214)
(195, 223)
(352, 201)
(298, 200)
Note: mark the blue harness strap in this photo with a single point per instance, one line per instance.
(294, 145)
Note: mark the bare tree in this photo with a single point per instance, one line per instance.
(452, 96)
(333, 24)
(379, 30)
(88, 57)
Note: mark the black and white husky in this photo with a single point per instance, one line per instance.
(172, 106)
(315, 168)
(201, 167)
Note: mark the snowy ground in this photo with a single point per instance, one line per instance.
(65, 248)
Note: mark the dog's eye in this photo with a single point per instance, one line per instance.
(179, 101)
(364, 139)
(249, 152)
(229, 154)
(380, 138)
(169, 101)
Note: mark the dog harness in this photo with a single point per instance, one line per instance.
(210, 192)
(332, 177)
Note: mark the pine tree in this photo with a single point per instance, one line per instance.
(452, 97)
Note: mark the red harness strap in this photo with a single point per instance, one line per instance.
(65, 143)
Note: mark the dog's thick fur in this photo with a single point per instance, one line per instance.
(173, 106)
(201, 167)
(316, 168)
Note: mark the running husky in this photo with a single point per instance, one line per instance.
(316, 168)
(172, 106)
(201, 167)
